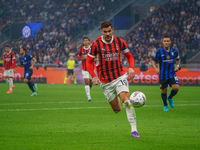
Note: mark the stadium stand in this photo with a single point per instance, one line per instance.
(65, 19)
(178, 18)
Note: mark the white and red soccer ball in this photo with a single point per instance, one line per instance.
(138, 99)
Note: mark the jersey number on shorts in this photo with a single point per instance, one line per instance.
(124, 82)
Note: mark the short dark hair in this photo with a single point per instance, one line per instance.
(167, 36)
(86, 38)
(24, 48)
(8, 46)
(106, 24)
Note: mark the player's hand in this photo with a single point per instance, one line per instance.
(176, 68)
(157, 70)
(14, 70)
(3, 69)
(95, 81)
(131, 73)
(31, 67)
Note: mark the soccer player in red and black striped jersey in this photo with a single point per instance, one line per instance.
(111, 76)
(82, 55)
(9, 67)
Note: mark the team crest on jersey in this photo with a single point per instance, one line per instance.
(168, 57)
(117, 47)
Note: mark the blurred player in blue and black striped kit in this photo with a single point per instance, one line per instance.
(169, 63)
(25, 61)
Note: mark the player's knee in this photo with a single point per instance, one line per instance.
(176, 88)
(117, 112)
(164, 91)
(25, 81)
(86, 82)
(117, 109)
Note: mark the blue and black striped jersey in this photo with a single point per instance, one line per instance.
(167, 61)
(26, 62)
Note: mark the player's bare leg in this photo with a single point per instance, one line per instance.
(66, 77)
(115, 105)
(74, 78)
(87, 88)
(164, 98)
(174, 91)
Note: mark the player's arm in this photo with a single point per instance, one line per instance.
(155, 67)
(80, 57)
(154, 62)
(13, 63)
(4, 64)
(34, 61)
(126, 52)
(178, 63)
(67, 66)
(90, 68)
(20, 64)
(131, 72)
(89, 63)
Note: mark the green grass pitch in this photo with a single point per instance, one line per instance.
(60, 118)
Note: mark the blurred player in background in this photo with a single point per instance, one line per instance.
(112, 77)
(25, 61)
(82, 55)
(169, 63)
(9, 68)
(70, 69)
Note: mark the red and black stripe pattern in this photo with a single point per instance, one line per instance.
(9, 61)
(82, 53)
(109, 66)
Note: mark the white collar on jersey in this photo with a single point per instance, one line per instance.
(86, 48)
(105, 41)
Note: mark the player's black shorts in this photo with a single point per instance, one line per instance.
(70, 71)
(28, 74)
(164, 83)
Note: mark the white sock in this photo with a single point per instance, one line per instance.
(131, 115)
(87, 90)
(7, 81)
(11, 83)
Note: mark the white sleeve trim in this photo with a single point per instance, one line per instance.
(125, 50)
(91, 56)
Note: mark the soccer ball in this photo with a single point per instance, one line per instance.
(138, 99)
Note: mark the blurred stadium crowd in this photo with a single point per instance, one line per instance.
(179, 19)
(53, 43)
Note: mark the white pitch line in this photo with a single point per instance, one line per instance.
(37, 103)
(54, 108)
(71, 108)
